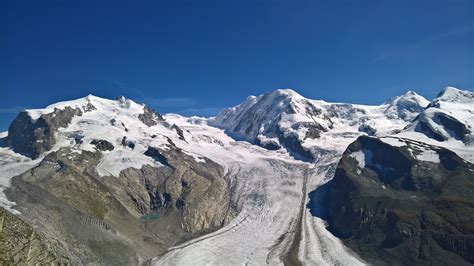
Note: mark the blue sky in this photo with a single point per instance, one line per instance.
(197, 57)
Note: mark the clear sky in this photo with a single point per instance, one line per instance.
(198, 56)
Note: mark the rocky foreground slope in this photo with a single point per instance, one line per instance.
(114, 182)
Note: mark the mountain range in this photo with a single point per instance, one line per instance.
(277, 179)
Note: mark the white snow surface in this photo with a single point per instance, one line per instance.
(362, 158)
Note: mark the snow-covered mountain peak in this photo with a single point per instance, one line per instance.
(262, 110)
(409, 96)
(451, 94)
(80, 123)
(455, 100)
(288, 92)
(90, 103)
(406, 106)
(448, 91)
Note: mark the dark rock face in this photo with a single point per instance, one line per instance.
(295, 148)
(269, 146)
(89, 107)
(102, 145)
(367, 129)
(179, 131)
(456, 129)
(127, 143)
(400, 210)
(33, 138)
(314, 130)
(155, 153)
(150, 117)
(426, 129)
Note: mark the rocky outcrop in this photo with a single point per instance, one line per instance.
(196, 190)
(102, 145)
(157, 155)
(430, 126)
(179, 131)
(128, 143)
(314, 131)
(367, 129)
(150, 117)
(31, 138)
(397, 205)
(294, 146)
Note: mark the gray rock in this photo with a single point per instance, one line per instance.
(102, 145)
(89, 107)
(33, 138)
(197, 190)
(150, 117)
(179, 131)
(128, 143)
(456, 129)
